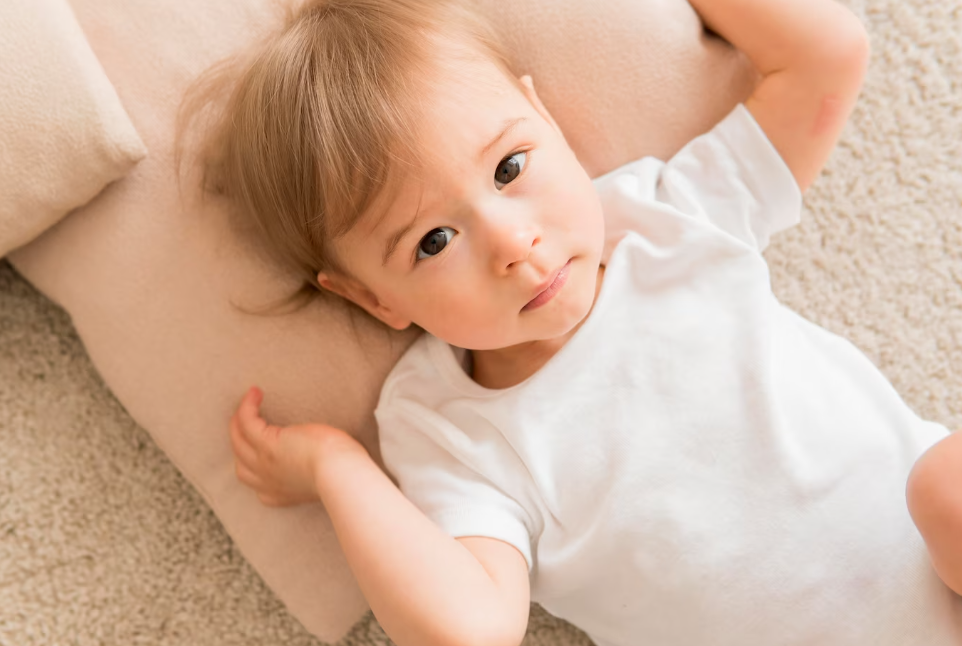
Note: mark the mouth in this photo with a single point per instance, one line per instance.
(554, 286)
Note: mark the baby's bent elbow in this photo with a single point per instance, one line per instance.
(933, 494)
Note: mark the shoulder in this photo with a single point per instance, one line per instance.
(412, 370)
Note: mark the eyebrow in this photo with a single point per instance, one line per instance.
(507, 126)
(395, 239)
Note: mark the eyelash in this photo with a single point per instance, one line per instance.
(527, 162)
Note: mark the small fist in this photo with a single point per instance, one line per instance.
(279, 463)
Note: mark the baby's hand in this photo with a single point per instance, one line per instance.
(281, 463)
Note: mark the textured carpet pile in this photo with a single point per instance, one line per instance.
(103, 542)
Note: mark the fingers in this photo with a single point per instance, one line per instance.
(269, 465)
(243, 450)
(269, 500)
(245, 475)
(242, 422)
(247, 429)
(248, 413)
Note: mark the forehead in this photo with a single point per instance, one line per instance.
(466, 102)
(468, 97)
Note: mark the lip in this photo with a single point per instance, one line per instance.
(553, 286)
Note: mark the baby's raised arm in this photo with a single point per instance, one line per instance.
(812, 55)
(425, 587)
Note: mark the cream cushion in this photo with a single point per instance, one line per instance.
(148, 277)
(64, 134)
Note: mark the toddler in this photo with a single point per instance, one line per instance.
(609, 413)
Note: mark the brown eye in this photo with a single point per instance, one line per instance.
(509, 168)
(434, 242)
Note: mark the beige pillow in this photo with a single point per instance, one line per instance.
(63, 133)
(150, 279)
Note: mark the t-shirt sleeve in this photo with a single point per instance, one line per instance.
(459, 499)
(731, 176)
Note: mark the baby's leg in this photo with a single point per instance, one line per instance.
(934, 496)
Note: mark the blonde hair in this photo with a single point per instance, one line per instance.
(308, 128)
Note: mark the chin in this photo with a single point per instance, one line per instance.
(571, 313)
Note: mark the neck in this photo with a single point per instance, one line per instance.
(505, 367)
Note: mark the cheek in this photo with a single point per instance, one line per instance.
(450, 294)
(569, 171)
(576, 194)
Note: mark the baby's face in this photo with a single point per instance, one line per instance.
(499, 206)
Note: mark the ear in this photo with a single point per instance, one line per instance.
(536, 102)
(356, 292)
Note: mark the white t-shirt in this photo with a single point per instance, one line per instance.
(698, 464)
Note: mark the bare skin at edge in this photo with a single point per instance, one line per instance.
(934, 496)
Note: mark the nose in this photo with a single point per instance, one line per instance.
(512, 235)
